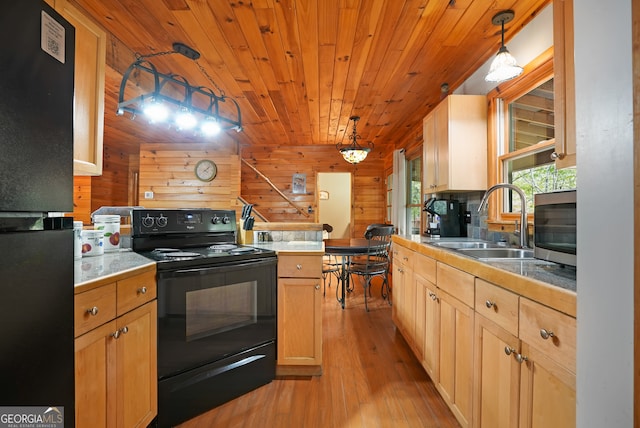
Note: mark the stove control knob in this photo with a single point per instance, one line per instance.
(161, 221)
(147, 221)
(225, 220)
(215, 219)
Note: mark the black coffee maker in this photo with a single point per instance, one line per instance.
(445, 218)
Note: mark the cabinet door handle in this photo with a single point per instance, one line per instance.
(519, 357)
(546, 334)
(433, 296)
(299, 267)
(116, 334)
(317, 286)
(491, 304)
(142, 290)
(93, 311)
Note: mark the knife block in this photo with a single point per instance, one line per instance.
(244, 236)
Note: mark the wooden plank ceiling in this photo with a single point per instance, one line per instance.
(300, 68)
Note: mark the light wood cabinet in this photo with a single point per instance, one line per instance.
(498, 359)
(404, 292)
(455, 145)
(564, 84)
(455, 381)
(526, 379)
(116, 353)
(88, 105)
(427, 314)
(548, 384)
(497, 373)
(299, 315)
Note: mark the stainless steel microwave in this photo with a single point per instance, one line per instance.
(554, 227)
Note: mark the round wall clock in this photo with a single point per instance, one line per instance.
(206, 170)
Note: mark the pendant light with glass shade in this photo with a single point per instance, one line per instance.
(504, 65)
(354, 153)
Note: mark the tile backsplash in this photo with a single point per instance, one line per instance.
(477, 229)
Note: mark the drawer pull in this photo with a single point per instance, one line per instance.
(405, 258)
(545, 334)
(433, 296)
(519, 357)
(299, 267)
(142, 290)
(490, 304)
(93, 311)
(400, 270)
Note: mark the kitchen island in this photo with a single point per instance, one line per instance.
(498, 338)
(299, 306)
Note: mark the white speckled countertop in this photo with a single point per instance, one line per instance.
(545, 282)
(549, 272)
(111, 264)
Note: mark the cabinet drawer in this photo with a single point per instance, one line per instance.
(300, 266)
(402, 255)
(136, 291)
(538, 321)
(498, 305)
(457, 283)
(93, 308)
(425, 267)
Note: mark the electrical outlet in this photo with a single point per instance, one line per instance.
(148, 195)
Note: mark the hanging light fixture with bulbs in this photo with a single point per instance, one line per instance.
(173, 100)
(353, 152)
(504, 65)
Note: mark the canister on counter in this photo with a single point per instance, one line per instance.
(110, 225)
(92, 243)
(77, 239)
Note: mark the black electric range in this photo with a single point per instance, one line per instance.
(179, 238)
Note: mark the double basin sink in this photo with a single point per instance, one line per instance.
(486, 250)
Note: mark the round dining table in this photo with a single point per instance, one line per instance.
(345, 249)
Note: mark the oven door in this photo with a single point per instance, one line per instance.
(208, 313)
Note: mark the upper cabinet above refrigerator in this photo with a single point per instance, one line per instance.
(88, 110)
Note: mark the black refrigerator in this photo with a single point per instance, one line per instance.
(36, 188)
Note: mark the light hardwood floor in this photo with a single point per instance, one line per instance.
(370, 379)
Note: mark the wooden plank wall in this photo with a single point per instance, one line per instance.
(109, 189)
(82, 199)
(279, 163)
(167, 170)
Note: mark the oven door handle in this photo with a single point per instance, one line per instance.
(224, 267)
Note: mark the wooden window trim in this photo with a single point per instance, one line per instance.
(535, 73)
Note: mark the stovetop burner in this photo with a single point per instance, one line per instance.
(218, 248)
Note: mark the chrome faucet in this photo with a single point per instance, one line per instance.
(524, 235)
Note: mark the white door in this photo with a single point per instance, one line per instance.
(334, 202)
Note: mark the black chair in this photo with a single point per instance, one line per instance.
(330, 264)
(376, 262)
